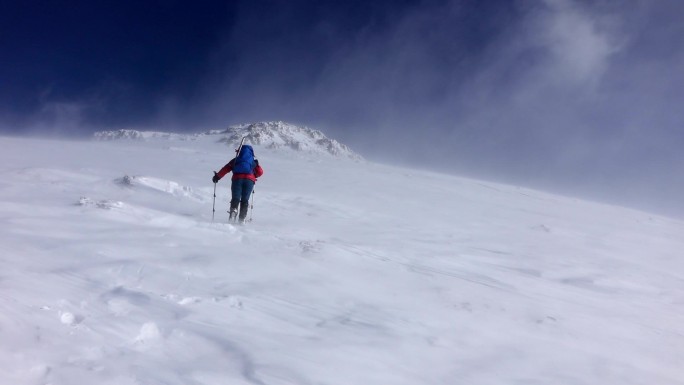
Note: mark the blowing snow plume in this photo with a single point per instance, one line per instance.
(575, 97)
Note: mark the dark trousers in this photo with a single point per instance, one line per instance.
(241, 189)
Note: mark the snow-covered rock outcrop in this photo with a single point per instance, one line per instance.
(269, 135)
(140, 135)
(281, 135)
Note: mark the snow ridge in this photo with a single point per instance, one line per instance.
(282, 135)
(127, 134)
(276, 135)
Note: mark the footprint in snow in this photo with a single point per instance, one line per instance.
(103, 204)
(310, 246)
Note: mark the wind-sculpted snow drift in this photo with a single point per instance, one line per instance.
(114, 273)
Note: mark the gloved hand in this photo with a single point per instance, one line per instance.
(215, 178)
(256, 161)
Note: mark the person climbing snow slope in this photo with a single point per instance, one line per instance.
(246, 170)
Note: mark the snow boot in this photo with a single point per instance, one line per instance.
(233, 211)
(243, 211)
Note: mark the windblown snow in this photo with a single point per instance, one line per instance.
(350, 272)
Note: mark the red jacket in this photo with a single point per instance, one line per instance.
(258, 171)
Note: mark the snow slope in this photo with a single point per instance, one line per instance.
(351, 273)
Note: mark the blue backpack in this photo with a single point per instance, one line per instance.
(244, 162)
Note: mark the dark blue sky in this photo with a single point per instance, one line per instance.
(124, 56)
(577, 96)
(120, 64)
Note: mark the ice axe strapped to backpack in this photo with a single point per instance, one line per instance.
(244, 161)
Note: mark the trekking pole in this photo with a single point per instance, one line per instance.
(251, 209)
(213, 206)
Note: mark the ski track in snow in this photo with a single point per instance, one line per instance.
(114, 273)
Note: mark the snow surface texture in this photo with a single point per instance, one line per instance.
(350, 273)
